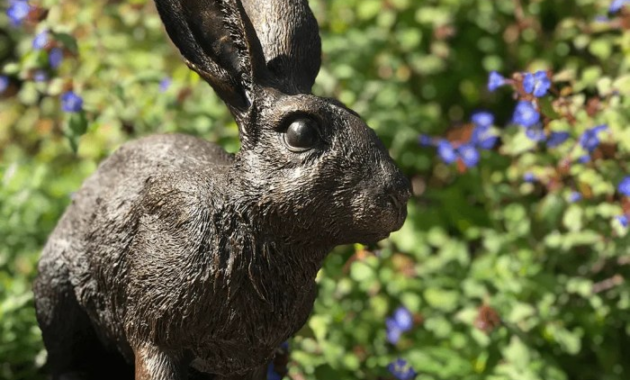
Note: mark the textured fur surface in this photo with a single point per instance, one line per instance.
(177, 260)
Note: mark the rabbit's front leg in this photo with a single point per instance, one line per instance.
(153, 363)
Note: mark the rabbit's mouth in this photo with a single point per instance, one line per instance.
(388, 216)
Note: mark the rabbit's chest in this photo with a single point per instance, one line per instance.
(255, 328)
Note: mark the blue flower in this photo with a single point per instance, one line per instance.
(535, 133)
(482, 119)
(40, 76)
(17, 12)
(624, 186)
(425, 140)
(55, 57)
(165, 84)
(4, 83)
(468, 154)
(537, 84)
(71, 102)
(401, 369)
(271, 372)
(529, 177)
(589, 139)
(403, 318)
(40, 40)
(446, 152)
(584, 159)
(495, 80)
(483, 137)
(400, 322)
(393, 330)
(623, 220)
(557, 139)
(616, 5)
(526, 114)
(574, 196)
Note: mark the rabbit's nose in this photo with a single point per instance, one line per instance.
(399, 190)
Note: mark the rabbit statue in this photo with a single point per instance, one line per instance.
(177, 260)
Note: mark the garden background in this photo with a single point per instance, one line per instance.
(514, 258)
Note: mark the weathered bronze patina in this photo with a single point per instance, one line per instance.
(177, 260)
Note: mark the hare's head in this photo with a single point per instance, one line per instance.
(310, 163)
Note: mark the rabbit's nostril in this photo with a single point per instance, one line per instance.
(396, 201)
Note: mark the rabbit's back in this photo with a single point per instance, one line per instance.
(121, 178)
(104, 209)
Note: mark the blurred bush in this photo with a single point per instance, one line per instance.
(513, 261)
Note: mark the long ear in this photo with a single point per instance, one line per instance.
(289, 36)
(219, 42)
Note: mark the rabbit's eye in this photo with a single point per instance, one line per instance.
(301, 135)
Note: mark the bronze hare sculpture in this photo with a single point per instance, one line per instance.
(177, 260)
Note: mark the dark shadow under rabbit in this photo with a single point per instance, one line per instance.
(177, 260)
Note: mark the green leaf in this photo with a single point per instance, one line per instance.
(68, 41)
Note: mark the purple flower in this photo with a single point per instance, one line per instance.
(482, 119)
(401, 369)
(40, 40)
(4, 83)
(468, 154)
(446, 152)
(557, 139)
(616, 5)
(525, 114)
(535, 133)
(40, 76)
(165, 84)
(17, 12)
(529, 177)
(495, 80)
(55, 57)
(537, 84)
(425, 140)
(623, 220)
(574, 196)
(71, 102)
(624, 186)
(589, 139)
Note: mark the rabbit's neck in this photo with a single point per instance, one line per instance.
(266, 259)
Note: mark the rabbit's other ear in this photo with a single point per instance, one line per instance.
(219, 42)
(289, 36)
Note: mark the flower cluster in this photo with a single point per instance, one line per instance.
(531, 89)
(466, 152)
(44, 42)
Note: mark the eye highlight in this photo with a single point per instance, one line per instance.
(301, 135)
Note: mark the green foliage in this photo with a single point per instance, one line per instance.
(506, 279)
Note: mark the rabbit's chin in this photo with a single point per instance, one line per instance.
(392, 219)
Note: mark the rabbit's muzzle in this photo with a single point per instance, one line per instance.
(384, 206)
(397, 193)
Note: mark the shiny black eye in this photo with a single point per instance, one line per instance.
(301, 135)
